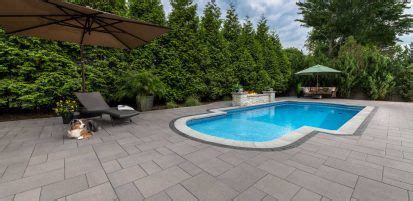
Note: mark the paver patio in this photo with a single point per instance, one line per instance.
(147, 160)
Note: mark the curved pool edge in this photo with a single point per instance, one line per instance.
(179, 125)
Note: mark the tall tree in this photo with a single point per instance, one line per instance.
(231, 31)
(181, 53)
(247, 72)
(147, 10)
(117, 7)
(370, 22)
(214, 52)
(232, 27)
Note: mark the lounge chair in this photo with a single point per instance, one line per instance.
(94, 105)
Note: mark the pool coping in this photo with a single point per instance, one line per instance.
(349, 128)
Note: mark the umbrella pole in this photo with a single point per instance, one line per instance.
(317, 82)
(83, 70)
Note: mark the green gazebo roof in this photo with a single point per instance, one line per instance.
(317, 69)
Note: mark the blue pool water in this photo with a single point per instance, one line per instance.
(267, 122)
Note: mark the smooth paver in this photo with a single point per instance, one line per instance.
(250, 194)
(367, 189)
(321, 186)
(102, 192)
(24, 184)
(207, 187)
(145, 159)
(160, 181)
(126, 175)
(277, 187)
(306, 195)
(338, 176)
(128, 192)
(31, 195)
(178, 192)
(242, 177)
(96, 177)
(276, 168)
(63, 188)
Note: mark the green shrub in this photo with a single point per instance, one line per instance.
(141, 83)
(192, 101)
(171, 104)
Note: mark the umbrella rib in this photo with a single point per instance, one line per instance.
(113, 23)
(63, 23)
(123, 31)
(77, 26)
(52, 15)
(135, 22)
(76, 11)
(60, 8)
(43, 25)
(108, 18)
(117, 38)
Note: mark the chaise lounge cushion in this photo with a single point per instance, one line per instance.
(121, 114)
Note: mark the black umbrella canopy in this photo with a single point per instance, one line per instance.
(62, 21)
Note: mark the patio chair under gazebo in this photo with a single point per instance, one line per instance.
(316, 70)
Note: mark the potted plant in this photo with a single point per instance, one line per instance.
(238, 88)
(143, 86)
(66, 109)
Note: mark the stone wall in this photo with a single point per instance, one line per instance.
(244, 99)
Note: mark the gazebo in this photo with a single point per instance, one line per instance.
(316, 70)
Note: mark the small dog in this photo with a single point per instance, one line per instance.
(81, 129)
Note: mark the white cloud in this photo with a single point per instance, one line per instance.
(281, 16)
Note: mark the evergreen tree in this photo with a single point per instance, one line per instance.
(147, 10)
(214, 63)
(247, 67)
(182, 54)
(117, 7)
(232, 28)
(231, 31)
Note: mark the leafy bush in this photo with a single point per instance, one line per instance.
(171, 105)
(378, 80)
(192, 101)
(237, 88)
(141, 83)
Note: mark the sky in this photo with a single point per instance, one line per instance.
(281, 16)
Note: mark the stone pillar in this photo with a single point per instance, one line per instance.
(271, 95)
(239, 98)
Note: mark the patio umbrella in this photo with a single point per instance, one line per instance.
(317, 69)
(62, 21)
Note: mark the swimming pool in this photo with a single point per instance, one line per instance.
(260, 124)
(273, 124)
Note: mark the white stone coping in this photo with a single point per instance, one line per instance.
(256, 95)
(349, 128)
